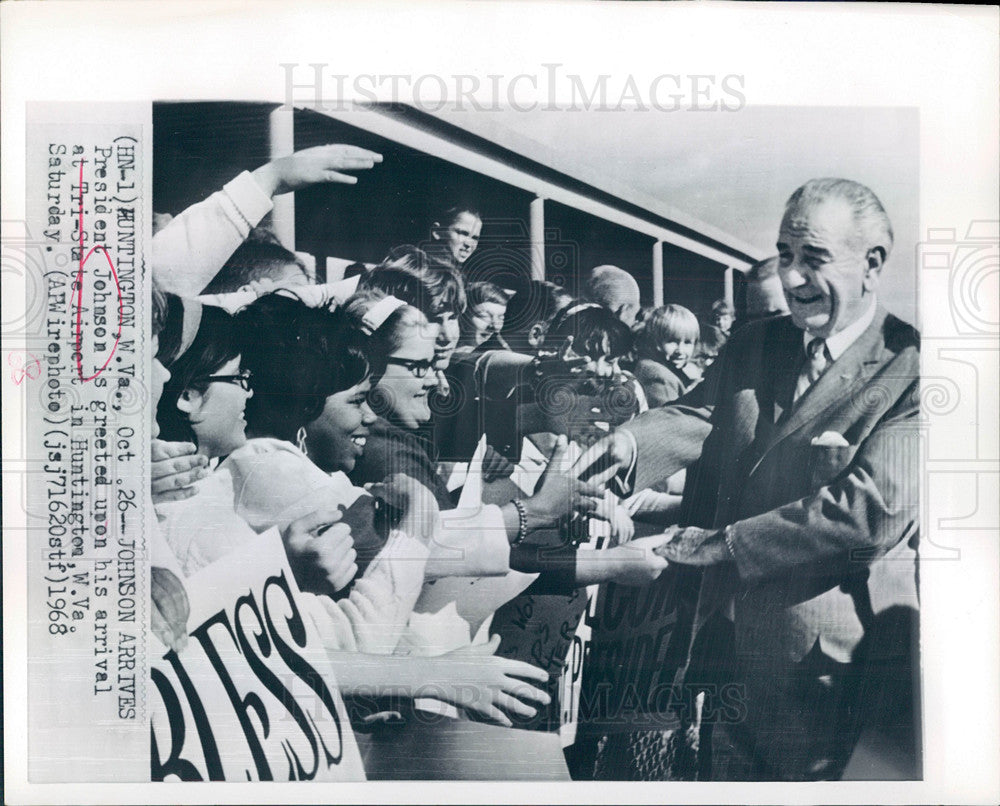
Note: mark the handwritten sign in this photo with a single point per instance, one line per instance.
(639, 639)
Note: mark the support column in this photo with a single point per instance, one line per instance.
(728, 293)
(658, 274)
(537, 227)
(281, 137)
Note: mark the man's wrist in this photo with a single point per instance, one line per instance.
(714, 548)
(693, 545)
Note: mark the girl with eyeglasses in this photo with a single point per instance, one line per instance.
(205, 399)
(401, 347)
(309, 423)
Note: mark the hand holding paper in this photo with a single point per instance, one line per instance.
(321, 552)
(174, 468)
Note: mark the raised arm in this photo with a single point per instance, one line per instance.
(189, 251)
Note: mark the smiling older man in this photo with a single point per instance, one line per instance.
(804, 506)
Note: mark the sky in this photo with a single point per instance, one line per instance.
(734, 170)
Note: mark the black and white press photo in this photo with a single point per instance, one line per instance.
(570, 427)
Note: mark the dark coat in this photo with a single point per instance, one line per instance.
(824, 537)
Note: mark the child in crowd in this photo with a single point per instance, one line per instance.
(666, 346)
(483, 317)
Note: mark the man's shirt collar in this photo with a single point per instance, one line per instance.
(838, 343)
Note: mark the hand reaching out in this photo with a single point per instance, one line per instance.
(559, 363)
(622, 528)
(639, 561)
(611, 509)
(693, 546)
(492, 682)
(653, 505)
(560, 492)
(311, 166)
(606, 456)
(496, 465)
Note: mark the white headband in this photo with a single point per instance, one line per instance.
(375, 316)
(573, 310)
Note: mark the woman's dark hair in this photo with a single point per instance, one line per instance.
(596, 331)
(168, 324)
(712, 339)
(720, 307)
(536, 301)
(298, 356)
(408, 274)
(214, 346)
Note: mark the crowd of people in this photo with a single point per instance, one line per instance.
(609, 444)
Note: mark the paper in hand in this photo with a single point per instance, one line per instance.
(472, 493)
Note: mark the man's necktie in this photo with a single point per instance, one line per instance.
(818, 358)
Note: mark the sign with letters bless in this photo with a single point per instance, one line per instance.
(252, 695)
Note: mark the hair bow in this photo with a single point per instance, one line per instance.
(376, 315)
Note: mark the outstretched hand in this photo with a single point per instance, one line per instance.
(493, 687)
(311, 166)
(640, 561)
(171, 608)
(560, 492)
(693, 546)
(559, 363)
(605, 458)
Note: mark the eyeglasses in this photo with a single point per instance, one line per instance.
(419, 368)
(242, 379)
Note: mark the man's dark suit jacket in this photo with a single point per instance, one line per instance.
(823, 537)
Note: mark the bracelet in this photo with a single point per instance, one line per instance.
(522, 523)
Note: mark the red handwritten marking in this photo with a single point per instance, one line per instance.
(22, 368)
(79, 298)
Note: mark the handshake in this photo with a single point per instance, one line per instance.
(642, 560)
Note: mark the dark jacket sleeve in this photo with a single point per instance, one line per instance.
(660, 385)
(862, 513)
(391, 450)
(668, 439)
